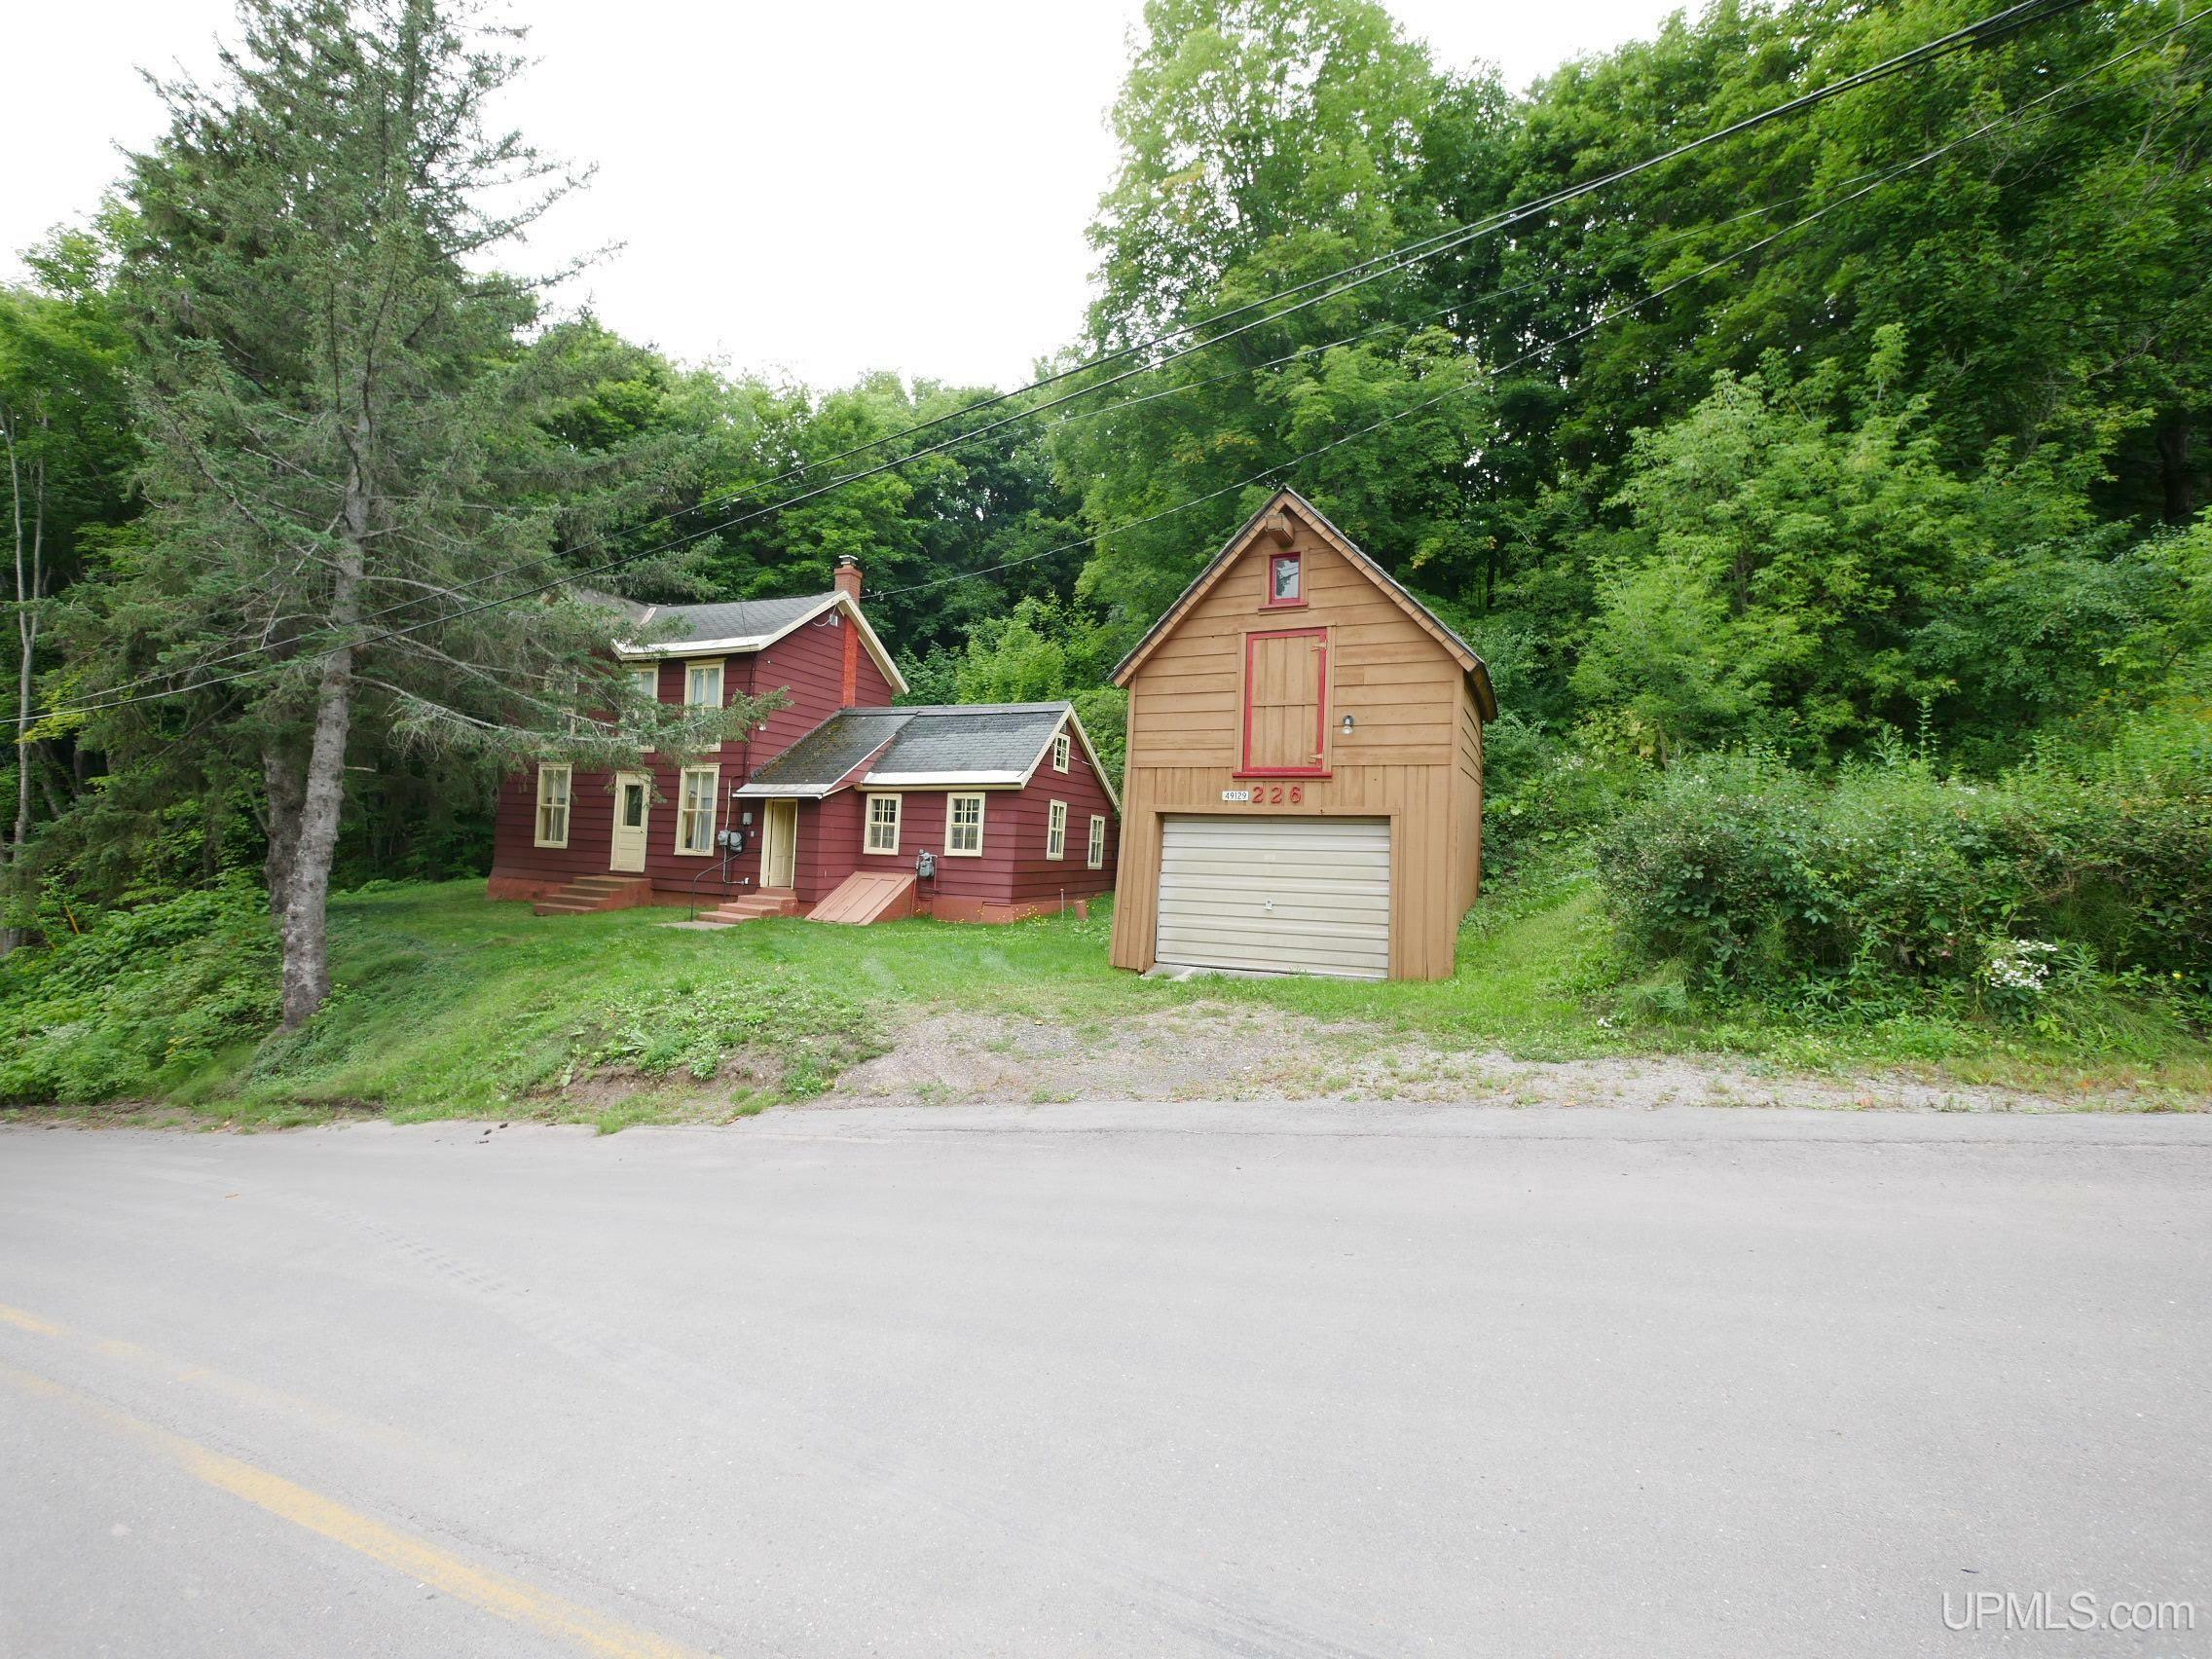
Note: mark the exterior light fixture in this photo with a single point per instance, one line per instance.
(1348, 725)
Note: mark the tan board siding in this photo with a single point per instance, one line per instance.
(1407, 760)
(1416, 799)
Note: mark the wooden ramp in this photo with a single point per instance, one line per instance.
(869, 895)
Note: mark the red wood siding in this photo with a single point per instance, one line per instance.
(828, 844)
(1012, 868)
(808, 664)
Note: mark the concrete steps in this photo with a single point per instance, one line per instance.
(752, 906)
(589, 893)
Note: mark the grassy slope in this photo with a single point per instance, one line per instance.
(450, 1005)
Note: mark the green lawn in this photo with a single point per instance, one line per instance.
(448, 1004)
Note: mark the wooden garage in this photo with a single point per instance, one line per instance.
(1304, 790)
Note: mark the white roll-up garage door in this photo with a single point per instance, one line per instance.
(1276, 895)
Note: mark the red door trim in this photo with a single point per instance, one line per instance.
(1321, 706)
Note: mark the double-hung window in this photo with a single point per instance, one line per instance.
(695, 810)
(703, 685)
(1095, 854)
(553, 782)
(646, 675)
(1063, 748)
(964, 826)
(1057, 829)
(883, 822)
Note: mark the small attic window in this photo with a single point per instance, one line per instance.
(1286, 580)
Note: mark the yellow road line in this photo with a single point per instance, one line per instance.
(253, 1394)
(424, 1562)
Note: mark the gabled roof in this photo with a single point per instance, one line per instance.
(826, 758)
(735, 625)
(931, 745)
(1290, 501)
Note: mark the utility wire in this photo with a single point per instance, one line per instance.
(1986, 31)
(1274, 473)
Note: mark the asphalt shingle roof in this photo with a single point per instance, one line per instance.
(949, 741)
(992, 737)
(821, 758)
(732, 620)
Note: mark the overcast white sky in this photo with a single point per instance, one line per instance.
(822, 188)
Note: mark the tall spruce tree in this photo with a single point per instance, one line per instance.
(353, 441)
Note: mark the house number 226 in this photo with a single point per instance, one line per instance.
(1271, 795)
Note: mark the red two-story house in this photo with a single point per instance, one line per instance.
(839, 805)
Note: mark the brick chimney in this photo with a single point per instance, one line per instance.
(849, 584)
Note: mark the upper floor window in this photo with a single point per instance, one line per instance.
(703, 685)
(1063, 748)
(1286, 580)
(647, 678)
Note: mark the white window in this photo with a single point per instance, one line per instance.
(1056, 831)
(703, 685)
(647, 677)
(964, 826)
(695, 809)
(1062, 747)
(883, 822)
(552, 806)
(1095, 855)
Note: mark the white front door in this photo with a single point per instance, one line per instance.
(633, 806)
(779, 843)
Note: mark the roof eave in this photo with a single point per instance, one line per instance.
(692, 648)
(944, 780)
(1470, 664)
(785, 792)
(671, 648)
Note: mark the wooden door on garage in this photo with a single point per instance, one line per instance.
(1276, 895)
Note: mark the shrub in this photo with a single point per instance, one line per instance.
(1712, 868)
(1757, 879)
(2138, 814)
(151, 991)
(1554, 801)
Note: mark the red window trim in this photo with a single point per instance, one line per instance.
(1268, 602)
(1320, 707)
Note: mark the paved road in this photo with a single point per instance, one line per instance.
(1101, 1380)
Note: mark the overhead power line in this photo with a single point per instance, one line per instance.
(1985, 32)
(1996, 27)
(1276, 474)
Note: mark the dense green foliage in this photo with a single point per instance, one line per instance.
(1756, 877)
(1826, 503)
(152, 992)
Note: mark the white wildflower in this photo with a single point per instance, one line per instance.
(2020, 965)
